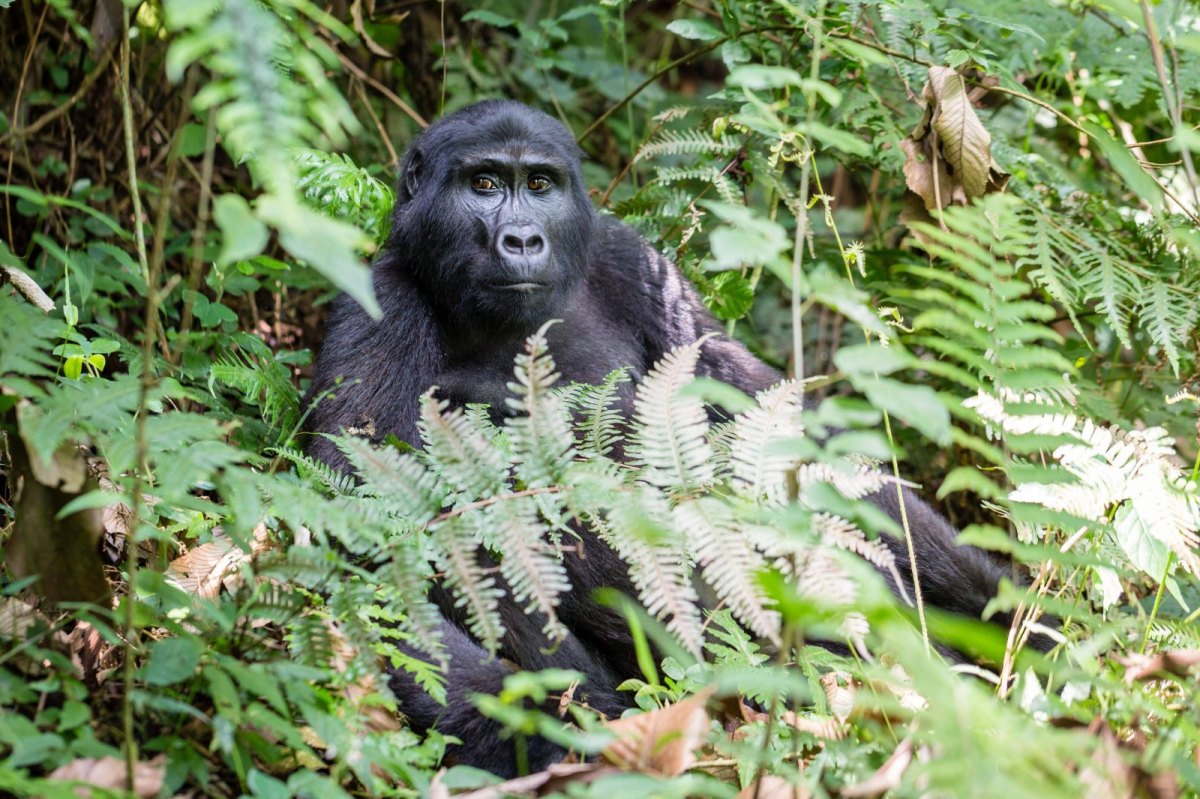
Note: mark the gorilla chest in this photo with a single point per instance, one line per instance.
(584, 350)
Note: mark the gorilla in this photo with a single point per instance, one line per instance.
(493, 234)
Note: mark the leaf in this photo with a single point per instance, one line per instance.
(489, 18)
(325, 244)
(761, 76)
(964, 140)
(919, 406)
(243, 236)
(698, 29)
(1121, 159)
(663, 741)
(172, 660)
(107, 774)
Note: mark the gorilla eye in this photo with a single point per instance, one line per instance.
(483, 183)
(538, 183)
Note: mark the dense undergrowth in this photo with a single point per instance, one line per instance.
(972, 227)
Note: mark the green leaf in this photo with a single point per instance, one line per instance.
(761, 76)
(1118, 156)
(489, 18)
(872, 359)
(1144, 550)
(918, 406)
(192, 139)
(325, 244)
(698, 29)
(730, 296)
(243, 236)
(172, 660)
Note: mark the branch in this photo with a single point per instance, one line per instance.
(60, 111)
(28, 287)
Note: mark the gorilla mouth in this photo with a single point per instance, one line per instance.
(525, 287)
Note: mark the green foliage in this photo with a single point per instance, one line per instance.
(1031, 355)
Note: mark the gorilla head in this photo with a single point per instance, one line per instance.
(492, 217)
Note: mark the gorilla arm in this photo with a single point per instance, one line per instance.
(385, 366)
(961, 579)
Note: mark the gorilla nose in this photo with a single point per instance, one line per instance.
(522, 240)
(523, 250)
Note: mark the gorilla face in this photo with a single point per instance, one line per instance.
(495, 199)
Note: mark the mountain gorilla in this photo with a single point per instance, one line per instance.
(493, 234)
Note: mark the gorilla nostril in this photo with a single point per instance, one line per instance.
(513, 244)
(534, 244)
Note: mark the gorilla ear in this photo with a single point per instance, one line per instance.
(410, 175)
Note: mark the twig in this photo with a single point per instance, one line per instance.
(383, 134)
(33, 40)
(28, 288)
(130, 746)
(483, 503)
(683, 59)
(384, 90)
(58, 111)
(193, 278)
(1173, 107)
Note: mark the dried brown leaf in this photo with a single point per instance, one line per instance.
(1178, 662)
(108, 774)
(663, 741)
(919, 173)
(771, 786)
(16, 617)
(553, 779)
(886, 777)
(964, 140)
(201, 571)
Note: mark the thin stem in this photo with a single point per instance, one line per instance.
(1173, 107)
(141, 443)
(1162, 584)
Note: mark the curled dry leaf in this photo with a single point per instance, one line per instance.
(663, 741)
(553, 780)
(202, 571)
(841, 697)
(886, 777)
(948, 156)
(1178, 662)
(108, 775)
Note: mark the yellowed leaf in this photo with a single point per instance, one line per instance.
(771, 786)
(964, 140)
(663, 741)
(887, 776)
(202, 570)
(108, 774)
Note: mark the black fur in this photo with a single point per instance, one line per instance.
(444, 324)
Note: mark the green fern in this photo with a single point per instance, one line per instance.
(263, 381)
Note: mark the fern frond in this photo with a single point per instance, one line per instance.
(757, 472)
(851, 481)
(459, 453)
(335, 185)
(670, 438)
(262, 381)
(532, 568)
(728, 562)
(312, 469)
(599, 420)
(678, 142)
(540, 433)
(408, 487)
(658, 564)
(475, 590)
